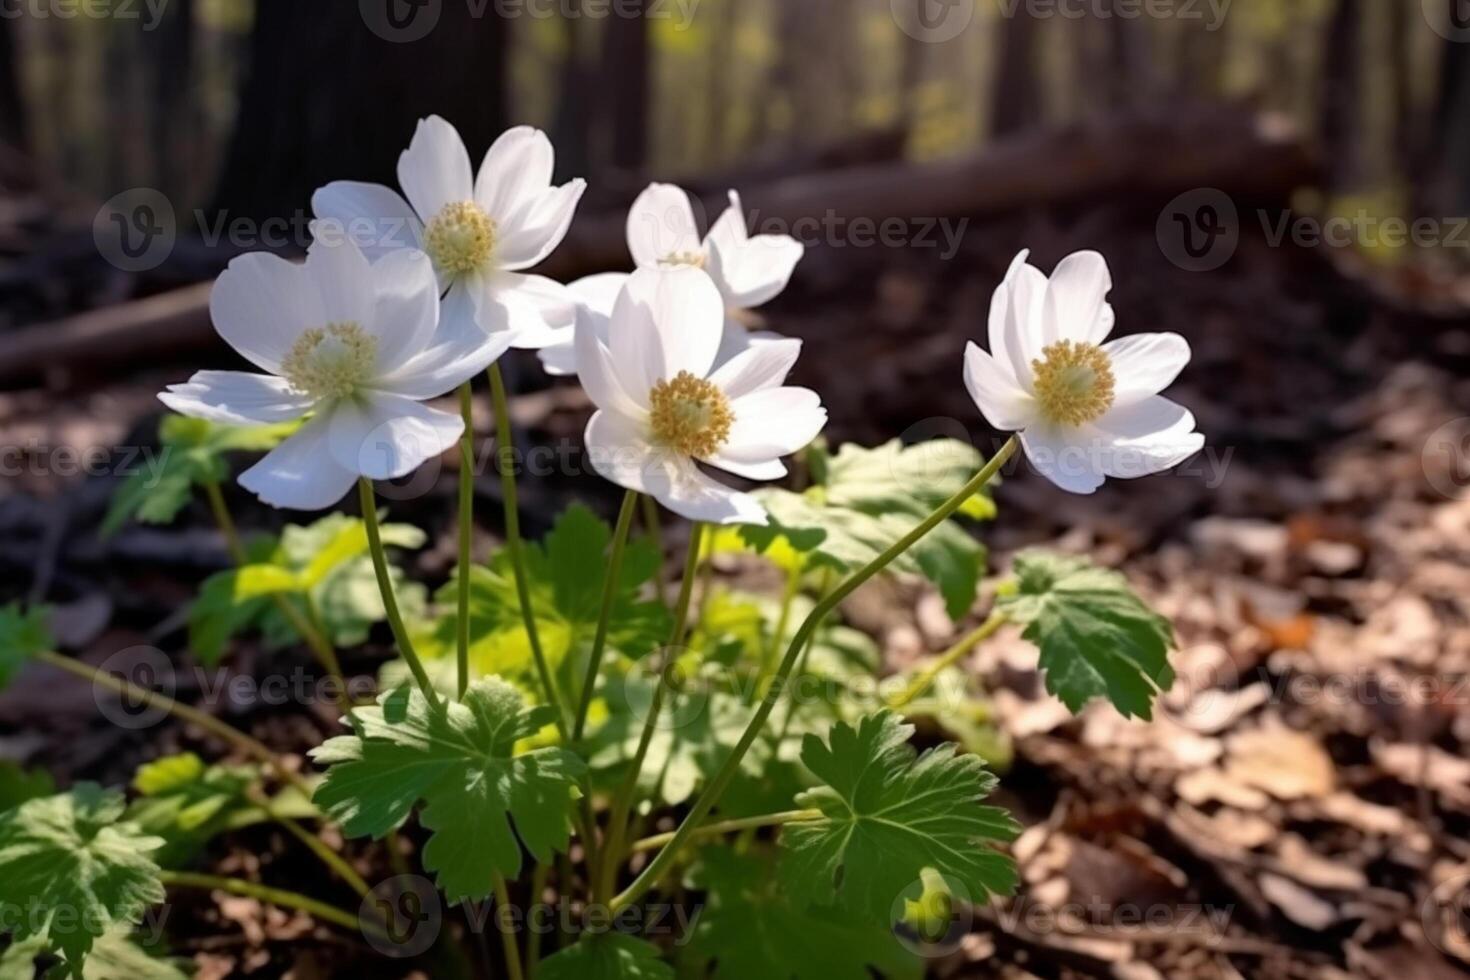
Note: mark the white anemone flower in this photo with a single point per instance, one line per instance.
(661, 409)
(481, 231)
(662, 233)
(1085, 409)
(356, 347)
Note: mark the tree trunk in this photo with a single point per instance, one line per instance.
(625, 86)
(1017, 92)
(329, 98)
(571, 129)
(173, 120)
(1449, 158)
(13, 129)
(1342, 81)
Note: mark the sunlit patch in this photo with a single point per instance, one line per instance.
(330, 361)
(460, 238)
(1074, 382)
(690, 415)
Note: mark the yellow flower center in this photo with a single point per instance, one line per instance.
(460, 238)
(330, 361)
(694, 260)
(690, 415)
(1074, 382)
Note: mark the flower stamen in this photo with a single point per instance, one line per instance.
(693, 260)
(690, 415)
(330, 361)
(460, 238)
(1074, 382)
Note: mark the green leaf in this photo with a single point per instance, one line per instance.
(872, 497)
(192, 451)
(23, 634)
(1096, 637)
(17, 785)
(566, 573)
(459, 758)
(609, 956)
(71, 858)
(114, 956)
(327, 560)
(889, 814)
(187, 803)
(750, 927)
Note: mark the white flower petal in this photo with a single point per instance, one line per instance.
(1076, 300)
(595, 297)
(516, 171)
(535, 230)
(995, 392)
(383, 437)
(435, 169)
(344, 278)
(1145, 437)
(773, 422)
(1145, 363)
(1016, 318)
(749, 271)
(534, 310)
(618, 448)
(460, 351)
(261, 303)
(300, 473)
(599, 378)
(405, 309)
(237, 398)
(377, 218)
(771, 469)
(457, 309)
(661, 224)
(1061, 457)
(665, 321)
(764, 364)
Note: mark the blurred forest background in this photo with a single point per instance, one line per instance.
(247, 105)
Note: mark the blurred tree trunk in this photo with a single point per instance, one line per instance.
(173, 116)
(1448, 164)
(911, 83)
(571, 129)
(625, 85)
(1342, 96)
(326, 98)
(13, 128)
(1017, 88)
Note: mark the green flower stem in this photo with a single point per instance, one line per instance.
(320, 646)
(385, 586)
(618, 828)
(264, 893)
(319, 847)
(656, 535)
(801, 665)
(505, 453)
(727, 827)
(466, 531)
(609, 594)
(507, 934)
(783, 620)
(251, 746)
(949, 658)
(539, 878)
(717, 786)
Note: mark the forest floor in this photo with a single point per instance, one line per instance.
(1300, 808)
